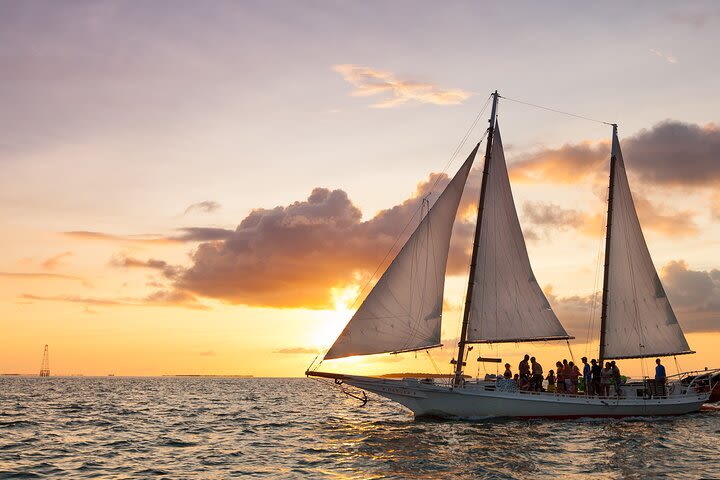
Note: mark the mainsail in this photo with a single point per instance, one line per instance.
(403, 310)
(507, 303)
(639, 321)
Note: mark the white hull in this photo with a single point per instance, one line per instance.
(482, 400)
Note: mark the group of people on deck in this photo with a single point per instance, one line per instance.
(596, 379)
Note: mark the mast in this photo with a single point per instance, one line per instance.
(606, 274)
(460, 362)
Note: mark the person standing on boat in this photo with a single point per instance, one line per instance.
(660, 375)
(571, 378)
(596, 371)
(605, 379)
(586, 375)
(537, 375)
(508, 373)
(524, 368)
(560, 377)
(616, 377)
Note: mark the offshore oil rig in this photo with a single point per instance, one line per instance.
(45, 367)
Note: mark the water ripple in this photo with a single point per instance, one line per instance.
(224, 427)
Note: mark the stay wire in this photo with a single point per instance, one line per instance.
(582, 117)
(455, 153)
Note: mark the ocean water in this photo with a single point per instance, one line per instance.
(214, 428)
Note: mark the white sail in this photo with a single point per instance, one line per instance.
(403, 310)
(640, 321)
(508, 304)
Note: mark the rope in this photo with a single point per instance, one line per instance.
(400, 235)
(557, 111)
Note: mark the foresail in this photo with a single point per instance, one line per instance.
(640, 321)
(403, 310)
(508, 304)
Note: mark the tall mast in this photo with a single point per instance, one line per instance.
(603, 315)
(460, 362)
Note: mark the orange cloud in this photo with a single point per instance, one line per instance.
(163, 298)
(145, 238)
(370, 82)
(39, 276)
(294, 255)
(52, 262)
(567, 164)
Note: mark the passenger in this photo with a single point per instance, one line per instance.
(560, 377)
(587, 379)
(595, 370)
(571, 379)
(660, 375)
(524, 368)
(524, 383)
(551, 381)
(537, 375)
(616, 378)
(605, 379)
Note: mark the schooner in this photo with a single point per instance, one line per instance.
(505, 304)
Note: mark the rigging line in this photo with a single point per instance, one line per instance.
(557, 111)
(399, 236)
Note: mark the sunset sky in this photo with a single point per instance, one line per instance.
(205, 187)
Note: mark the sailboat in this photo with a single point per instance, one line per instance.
(505, 304)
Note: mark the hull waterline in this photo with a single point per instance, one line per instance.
(484, 400)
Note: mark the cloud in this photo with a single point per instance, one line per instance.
(207, 206)
(715, 206)
(670, 153)
(52, 262)
(370, 82)
(142, 238)
(207, 353)
(571, 163)
(39, 276)
(169, 271)
(187, 234)
(695, 18)
(668, 57)
(294, 255)
(675, 153)
(298, 351)
(550, 215)
(694, 295)
(162, 298)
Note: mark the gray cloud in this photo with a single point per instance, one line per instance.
(669, 153)
(551, 215)
(169, 271)
(207, 206)
(694, 295)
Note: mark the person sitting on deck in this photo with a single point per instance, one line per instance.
(508, 372)
(551, 381)
(595, 370)
(587, 378)
(524, 368)
(524, 383)
(560, 377)
(605, 379)
(571, 379)
(537, 375)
